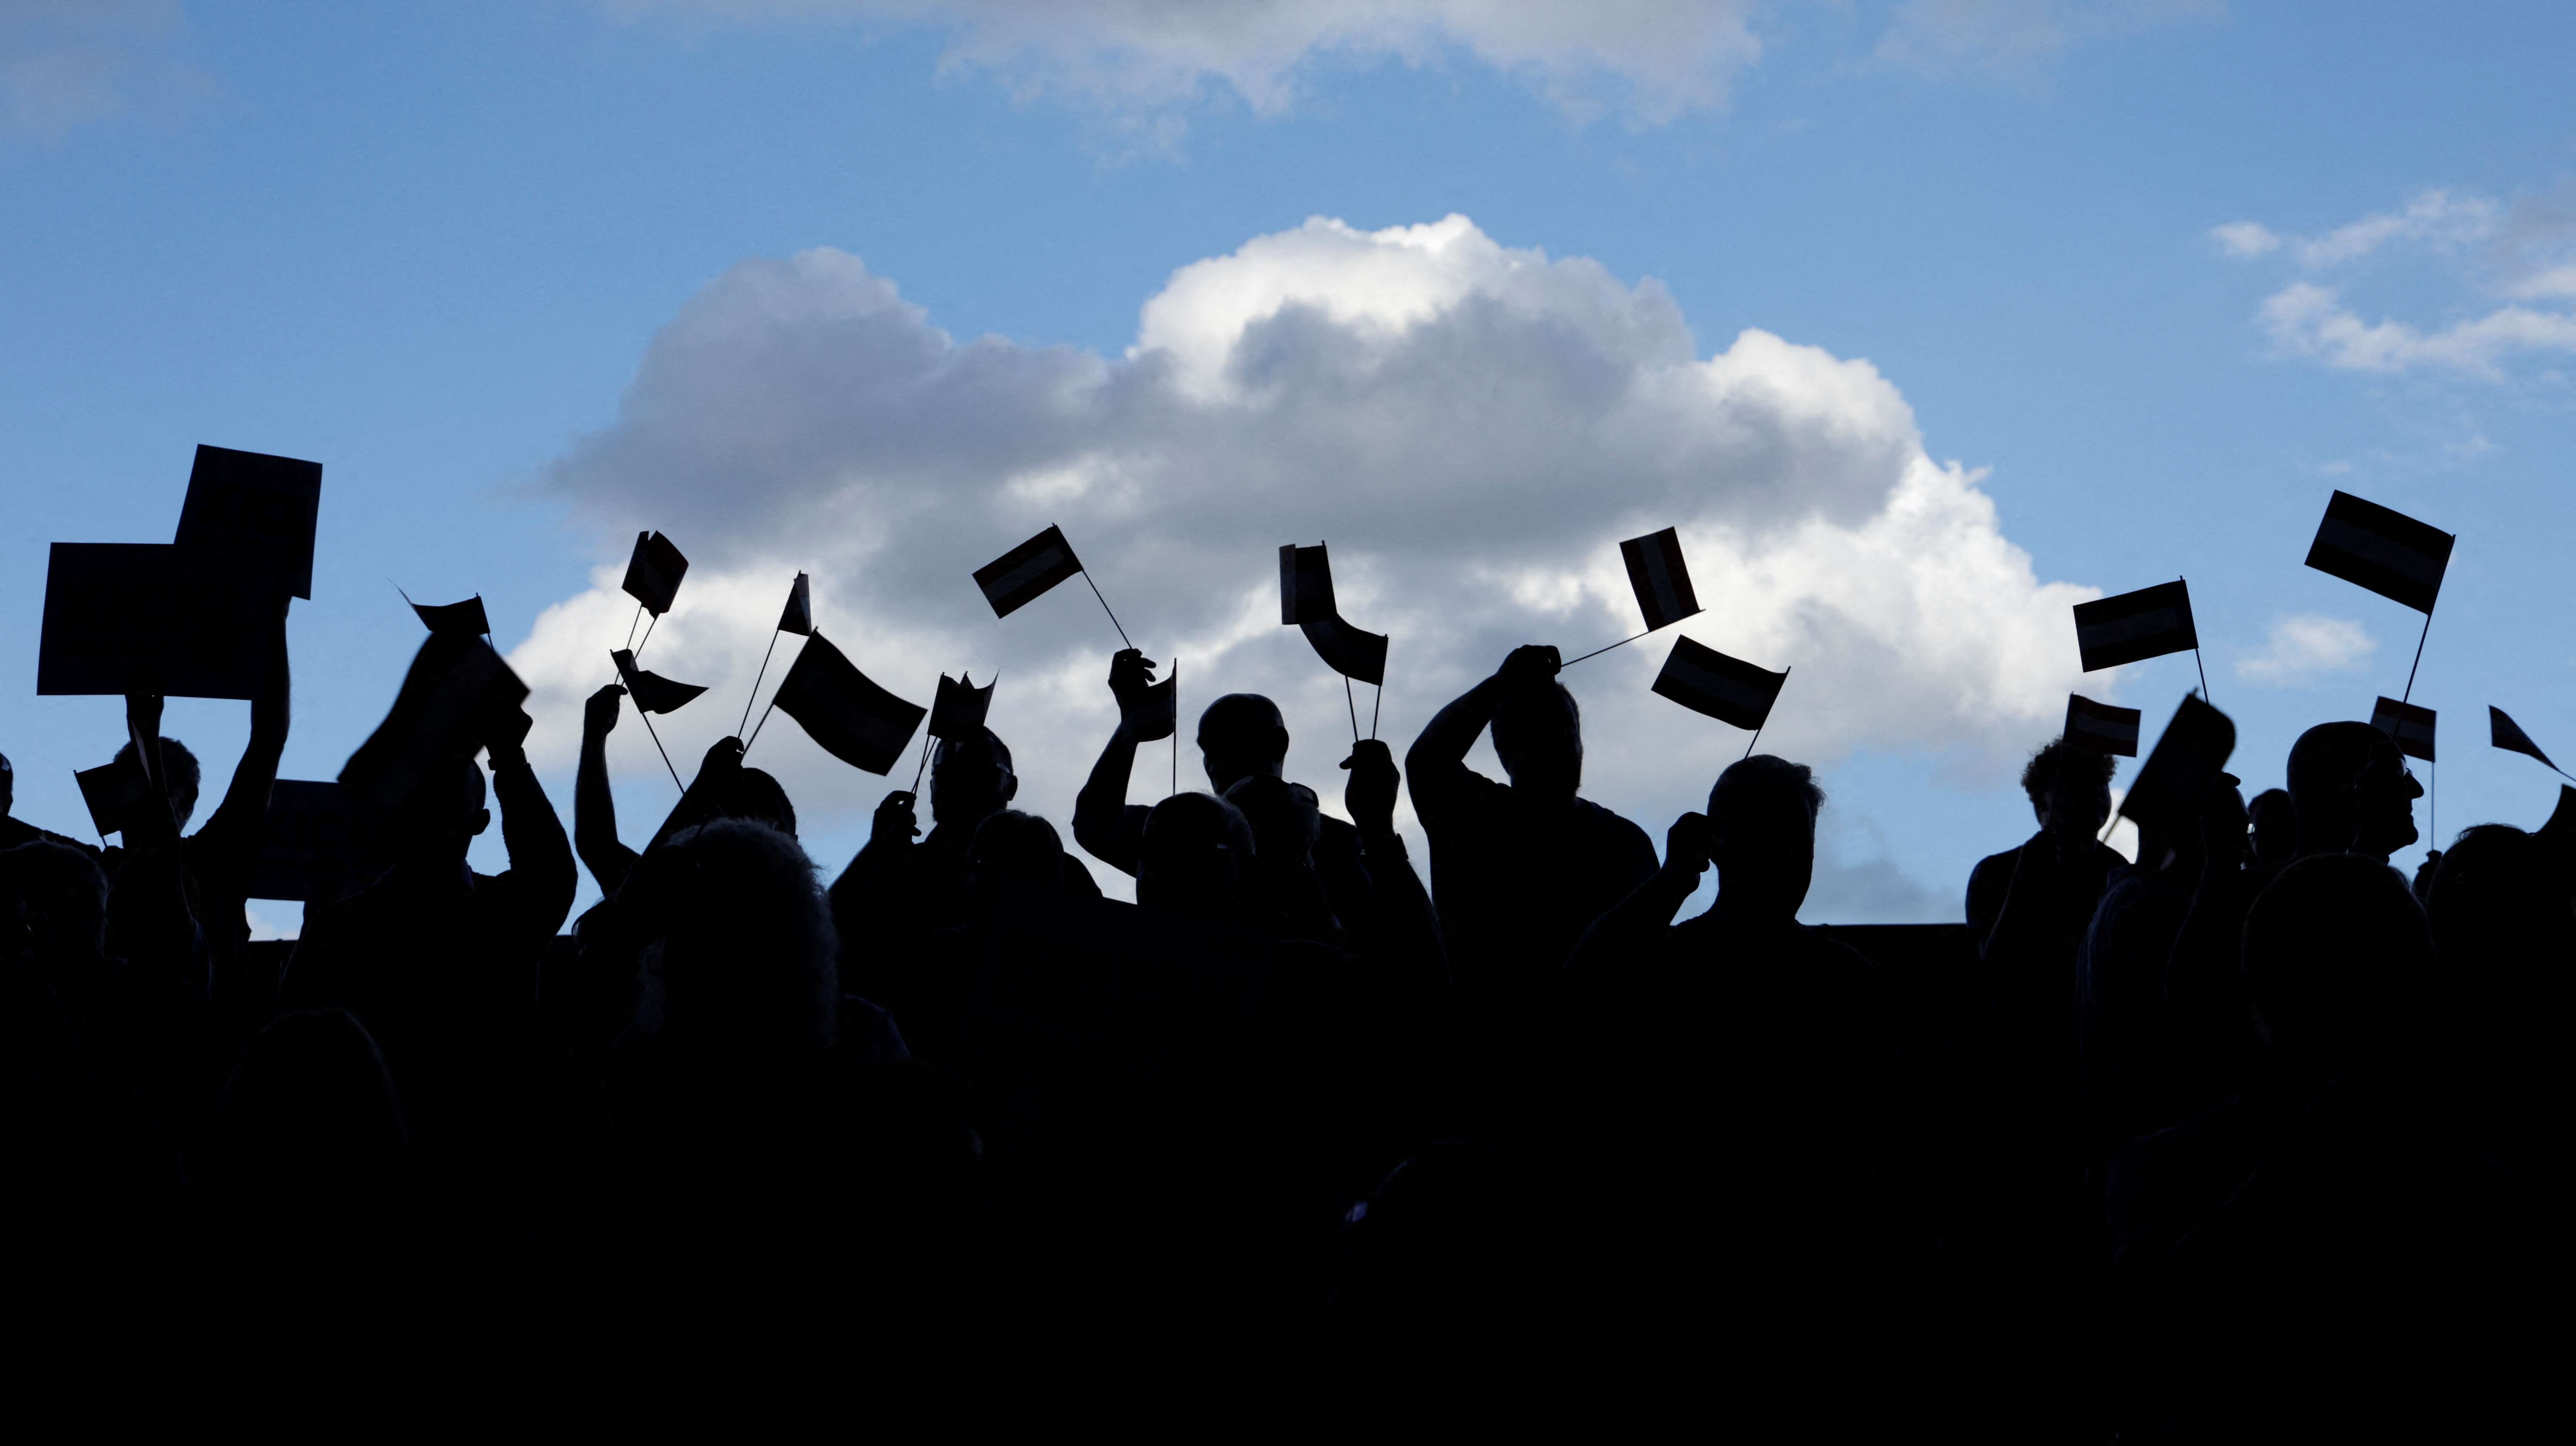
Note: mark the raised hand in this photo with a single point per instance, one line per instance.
(1529, 666)
(508, 735)
(894, 825)
(723, 756)
(1687, 846)
(599, 713)
(1130, 674)
(1369, 796)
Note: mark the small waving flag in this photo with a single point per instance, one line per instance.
(652, 692)
(1661, 581)
(113, 791)
(853, 719)
(1305, 584)
(2101, 727)
(464, 619)
(2385, 551)
(1351, 651)
(2135, 626)
(2410, 725)
(1024, 574)
(1729, 690)
(958, 712)
(653, 572)
(799, 616)
(2506, 734)
(2172, 786)
(1155, 714)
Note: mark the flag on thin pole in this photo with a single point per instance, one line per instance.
(113, 790)
(2135, 626)
(852, 718)
(2409, 725)
(2173, 785)
(2506, 734)
(1025, 573)
(653, 572)
(2101, 726)
(1155, 713)
(798, 616)
(652, 692)
(2383, 550)
(1305, 584)
(1729, 690)
(958, 712)
(1659, 577)
(464, 619)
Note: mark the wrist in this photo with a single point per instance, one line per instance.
(508, 755)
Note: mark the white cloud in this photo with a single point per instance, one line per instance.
(67, 63)
(2012, 36)
(2305, 319)
(1472, 426)
(2434, 219)
(2304, 647)
(2245, 240)
(1651, 59)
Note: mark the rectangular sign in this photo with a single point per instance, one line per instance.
(142, 617)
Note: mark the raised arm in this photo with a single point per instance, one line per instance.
(1635, 921)
(1397, 922)
(244, 811)
(540, 871)
(1438, 758)
(594, 807)
(1104, 824)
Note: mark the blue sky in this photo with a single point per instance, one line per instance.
(434, 248)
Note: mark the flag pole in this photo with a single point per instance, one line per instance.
(648, 636)
(755, 681)
(1351, 703)
(924, 764)
(2409, 694)
(764, 720)
(630, 626)
(1104, 606)
(1376, 702)
(1176, 722)
(1597, 652)
(658, 748)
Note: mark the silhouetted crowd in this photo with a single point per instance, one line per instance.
(2246, 1139)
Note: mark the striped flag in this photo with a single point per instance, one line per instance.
(2409, 725)
(959, 710)
(1022, 575)
(2506, 734)
(653, 572)
(1662, 583)
(1729, 690)
(652, 692)
(798, 617)
(465, 618)
(2172, 786)
(2387, 552)
(2101, 727)
(1305, 584)
(2135, 626)
(852, 718)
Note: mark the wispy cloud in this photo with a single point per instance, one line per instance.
(2014, 37)
(2304, 647)
(69, 63)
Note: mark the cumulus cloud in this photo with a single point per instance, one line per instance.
(67, 63)
(1472, 426)
(2304, 647)
(2011, 36)
(1651, 59)
(2524, 253)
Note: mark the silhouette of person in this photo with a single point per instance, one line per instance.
(896, 892)
(2035, 900)
(723, 788)
(2352, 793)
(440, 963)
(2274, 821)
(1240, 735)
(1518, 870)
(218, 857)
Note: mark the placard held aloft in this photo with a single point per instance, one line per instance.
(257, 513)
(140, 617)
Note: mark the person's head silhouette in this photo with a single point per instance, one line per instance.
(2070, 793)
(8, 786)
(63, 897)
(1241, 735)
(2337, 957)
(754, 795)
(1762, 838)
(971, 779)
(1197, 858)
(1015, 856)
(748, 950)
(2275, 822)
(442, 818)
(1538, 736)
(2352, 791)
(181, 766)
